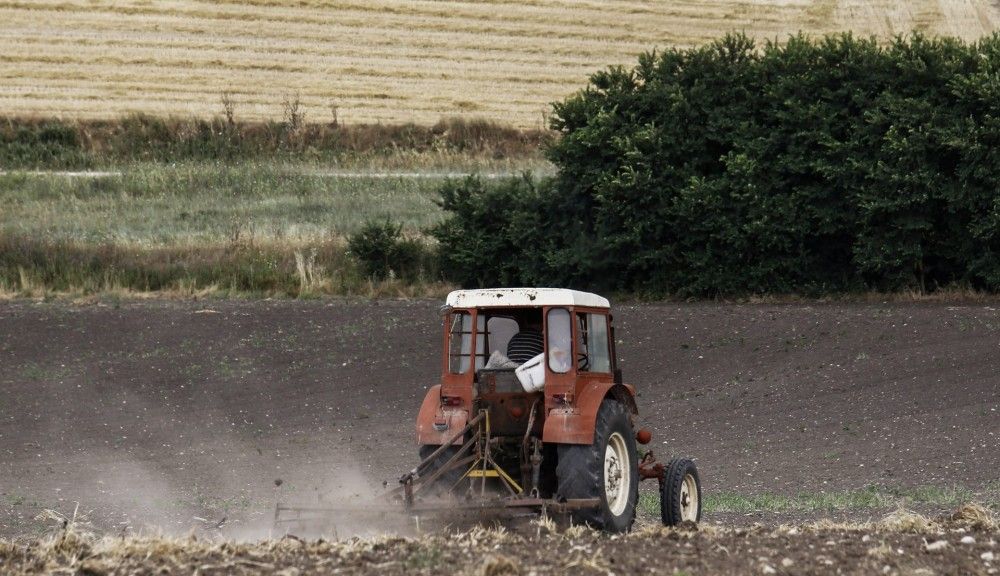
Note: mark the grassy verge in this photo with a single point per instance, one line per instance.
(40, 269)
(156, 204)
(876, 497)
(249, 228)
(203, 228)
(28, 143)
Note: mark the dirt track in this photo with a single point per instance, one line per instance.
(155, 412)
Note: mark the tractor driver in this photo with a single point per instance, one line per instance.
(527, 343)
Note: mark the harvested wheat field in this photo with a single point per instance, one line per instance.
(386, 61)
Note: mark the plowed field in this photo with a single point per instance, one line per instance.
(154, 413)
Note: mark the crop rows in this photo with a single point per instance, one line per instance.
(385, 61)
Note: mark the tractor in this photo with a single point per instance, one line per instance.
(532, 416)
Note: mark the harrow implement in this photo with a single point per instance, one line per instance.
(474, 495)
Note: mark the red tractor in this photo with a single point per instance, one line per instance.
(531, 416)
(531, 399)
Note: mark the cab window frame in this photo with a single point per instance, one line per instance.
(551, 335)
(583, 342)
(460, 361)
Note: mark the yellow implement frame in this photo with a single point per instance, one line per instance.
(485, 467)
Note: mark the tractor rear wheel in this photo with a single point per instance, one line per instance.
(445, 481)
(607, 470)
(680, 493)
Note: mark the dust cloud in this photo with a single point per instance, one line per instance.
(211, 472)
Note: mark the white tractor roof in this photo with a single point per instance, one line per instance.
(494, 297)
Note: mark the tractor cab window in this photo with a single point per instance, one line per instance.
(512, 338)
(499, 330)
(460, 343)
(592, 343)
(560, 340)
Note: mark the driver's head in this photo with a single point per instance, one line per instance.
(530, 322)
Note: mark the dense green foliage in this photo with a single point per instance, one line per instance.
(383, 252)
(481, 244)
(809, 166)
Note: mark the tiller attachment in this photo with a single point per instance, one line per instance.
(477, 500)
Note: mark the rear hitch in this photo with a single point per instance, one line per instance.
(649, 468)
(536, 467)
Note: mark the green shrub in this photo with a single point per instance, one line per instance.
(383, 252)
(496, 233)
(810, 166)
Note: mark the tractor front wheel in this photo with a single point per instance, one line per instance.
(606, 470)
(680, 493)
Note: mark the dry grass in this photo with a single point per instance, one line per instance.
(968, 516)
(385, 61)
(188, 289)
(70, 547)
(40, 269)
(974, 517)
(903, 520)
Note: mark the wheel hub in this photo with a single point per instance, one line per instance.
(616, 474)
(689, 498)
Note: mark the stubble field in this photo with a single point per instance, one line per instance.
(386, 61)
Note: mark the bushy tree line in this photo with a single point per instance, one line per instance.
(808, 166)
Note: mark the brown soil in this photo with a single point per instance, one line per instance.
(153, 413)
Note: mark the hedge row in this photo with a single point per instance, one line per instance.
(59, 144)
(809, 166)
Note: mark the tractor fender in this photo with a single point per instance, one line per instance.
(575, 424)
(431, 413)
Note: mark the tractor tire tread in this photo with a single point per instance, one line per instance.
(580, 470)
(670, 507)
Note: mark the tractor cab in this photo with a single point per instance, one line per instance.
(572, 325)
(521, 353)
